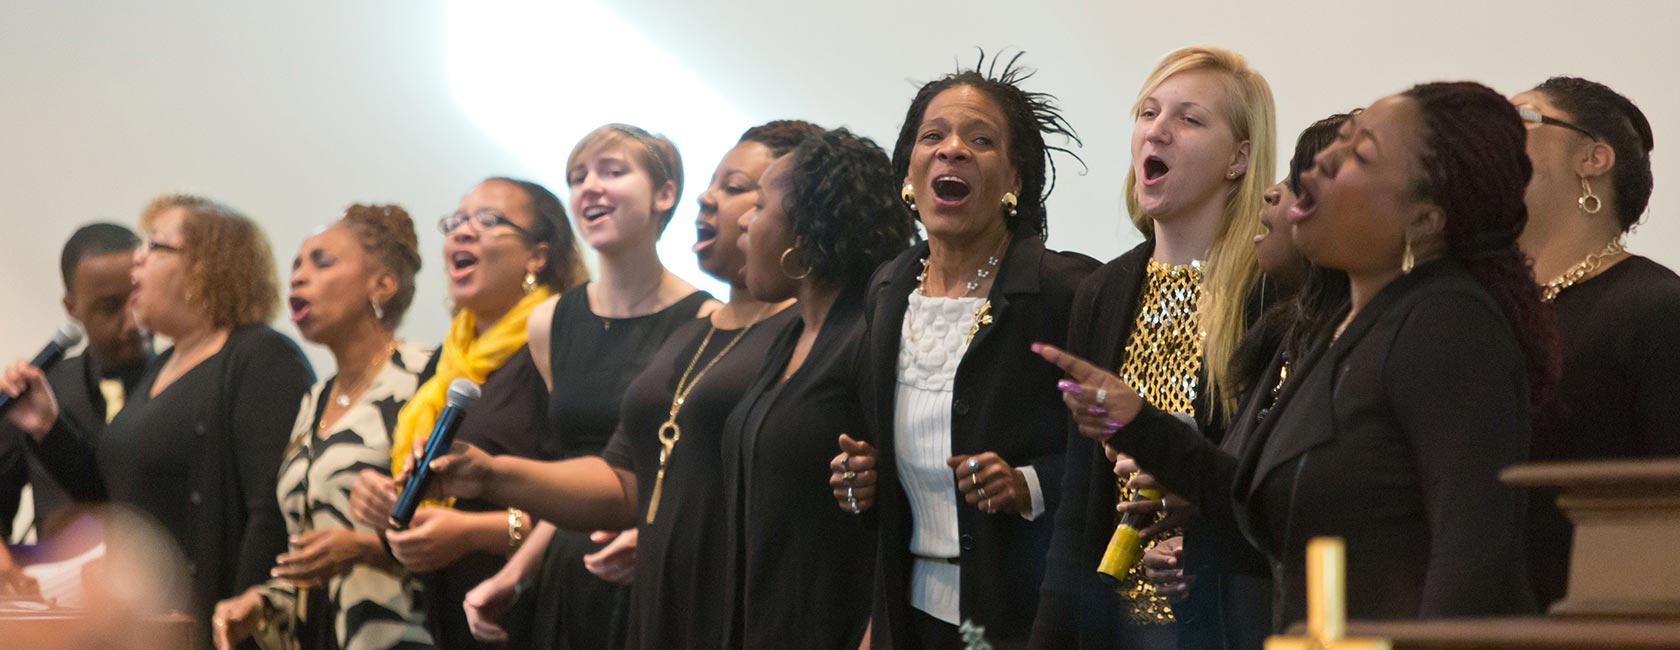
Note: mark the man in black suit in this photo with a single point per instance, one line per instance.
(90, 386)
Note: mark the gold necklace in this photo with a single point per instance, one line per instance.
(1550, 290)
(670, 431)
(343, 396)
(606, 322)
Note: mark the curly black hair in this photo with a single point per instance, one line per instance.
(843, 208)
(1617, 121)
(1475, 166)
(781, 136)
(1030, 115)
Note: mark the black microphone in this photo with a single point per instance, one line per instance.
(65, 338)
(462, 393)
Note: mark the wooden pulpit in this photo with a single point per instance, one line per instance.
(1624, 576)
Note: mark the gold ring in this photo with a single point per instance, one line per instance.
(982, 493)
(849, 476)
(987, 505)
(219, 621)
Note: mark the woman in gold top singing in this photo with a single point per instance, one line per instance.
(1167, 315)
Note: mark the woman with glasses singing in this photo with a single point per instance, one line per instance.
(197, 444)
(1618, 313)
(507, 248)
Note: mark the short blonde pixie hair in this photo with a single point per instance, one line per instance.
(655, 153)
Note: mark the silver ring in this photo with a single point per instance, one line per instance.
(1102, 395)
(973, 465)
(854, 505)
(987, 505)
(849, 496)
(846, 462)
(849, 476)
(1163, 507)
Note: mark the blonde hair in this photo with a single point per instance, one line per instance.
(655, 153)
(1231, 268)
(230, 268)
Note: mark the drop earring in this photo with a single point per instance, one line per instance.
(1407, 260)
(530, 283)
(378, 312)
(1589, 202)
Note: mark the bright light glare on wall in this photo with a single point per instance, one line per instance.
(536, 76)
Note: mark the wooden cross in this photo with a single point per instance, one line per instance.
(1326, 603)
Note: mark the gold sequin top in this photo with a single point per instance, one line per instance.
(1163, 361)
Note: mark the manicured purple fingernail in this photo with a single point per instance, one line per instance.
(1067, 386)
(1113, 425)
(1096, 410)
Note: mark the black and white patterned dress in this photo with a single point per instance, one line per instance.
(371, 608)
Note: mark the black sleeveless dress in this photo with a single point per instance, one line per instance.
(592, 361)
(678, 600)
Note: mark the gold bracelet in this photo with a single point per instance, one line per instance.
(516, 527)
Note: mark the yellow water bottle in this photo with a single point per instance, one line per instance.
(1125, 548)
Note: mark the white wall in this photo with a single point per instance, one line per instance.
(290, 111)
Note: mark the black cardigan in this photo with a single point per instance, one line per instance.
(1391, 437)
(1077, 607)
(234, 528)
(1005, 401)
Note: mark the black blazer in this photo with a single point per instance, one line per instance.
(1391, 437)
(76, 387)
(1077, 607)
(1005, 401)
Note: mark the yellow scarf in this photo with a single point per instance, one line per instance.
(464, 355)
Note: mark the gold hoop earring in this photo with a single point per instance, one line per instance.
(1589, 199)
(908, 194)
(782, 264)
(378, 312)
(1407, 260)
(1009, 202)
(530, 283)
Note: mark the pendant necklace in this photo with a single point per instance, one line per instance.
(670, 431)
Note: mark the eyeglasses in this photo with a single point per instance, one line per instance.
(153, 246)
(481, 221)
(1532, 119)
